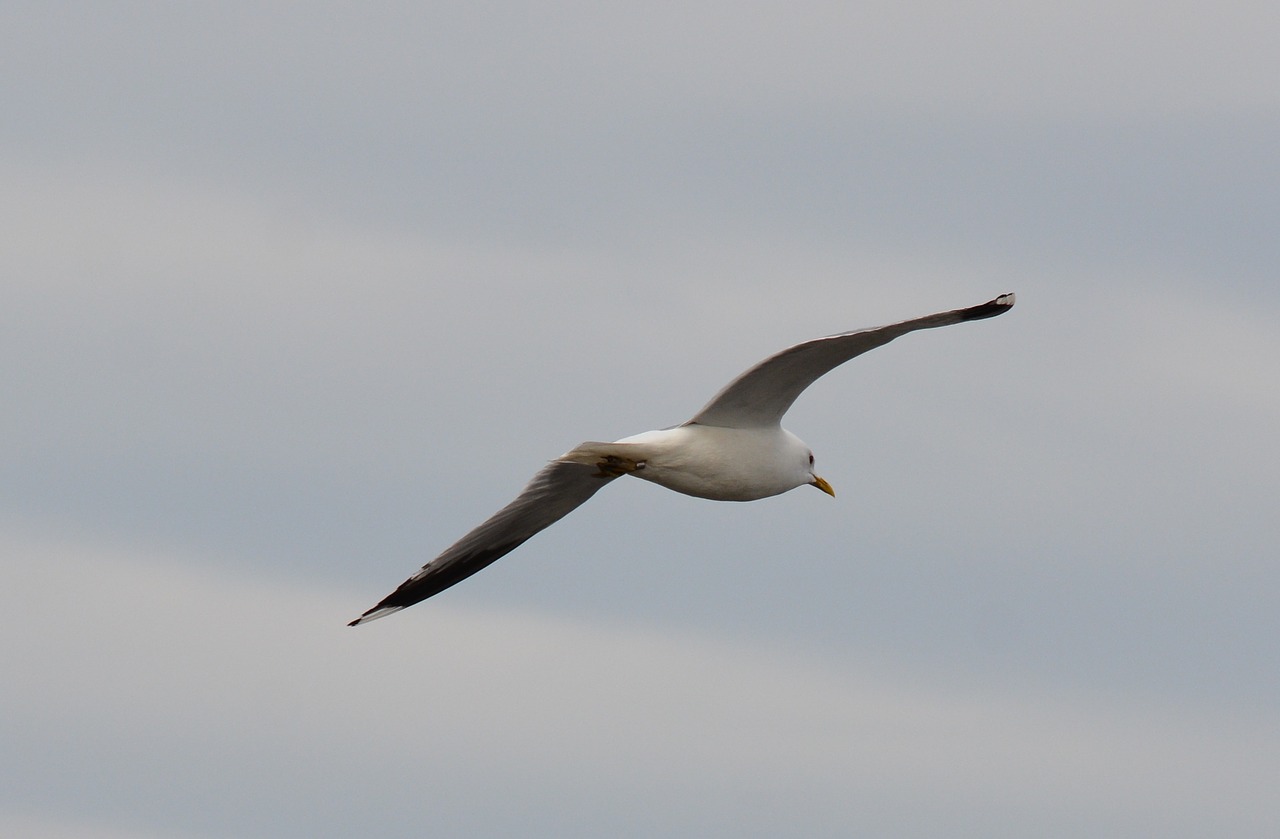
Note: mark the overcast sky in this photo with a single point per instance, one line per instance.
(295, 294)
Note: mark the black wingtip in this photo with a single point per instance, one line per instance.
(991, 308)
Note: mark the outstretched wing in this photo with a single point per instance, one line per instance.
(550, 496)
(760, 396)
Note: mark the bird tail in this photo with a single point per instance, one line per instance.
(613, 459)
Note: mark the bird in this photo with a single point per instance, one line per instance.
(733, 449)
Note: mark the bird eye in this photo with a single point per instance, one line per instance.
(810, 458)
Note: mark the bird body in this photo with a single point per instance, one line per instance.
(733, 449)
(708, 461)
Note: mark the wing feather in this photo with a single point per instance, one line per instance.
(554, 492)
(760, 396)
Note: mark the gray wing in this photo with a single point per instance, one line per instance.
(760, 396)
(551, 495)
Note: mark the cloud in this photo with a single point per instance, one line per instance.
(177, 694)
(54, 827)
(298, 294)
(1095, 131)
(544, 65)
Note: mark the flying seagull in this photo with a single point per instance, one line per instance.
(734, 449)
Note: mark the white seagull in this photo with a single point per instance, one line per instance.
(734, 449)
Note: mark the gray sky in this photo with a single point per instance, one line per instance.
(295, 295)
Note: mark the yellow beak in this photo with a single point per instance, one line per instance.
(822, 485)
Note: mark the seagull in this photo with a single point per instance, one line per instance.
(734, 449)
